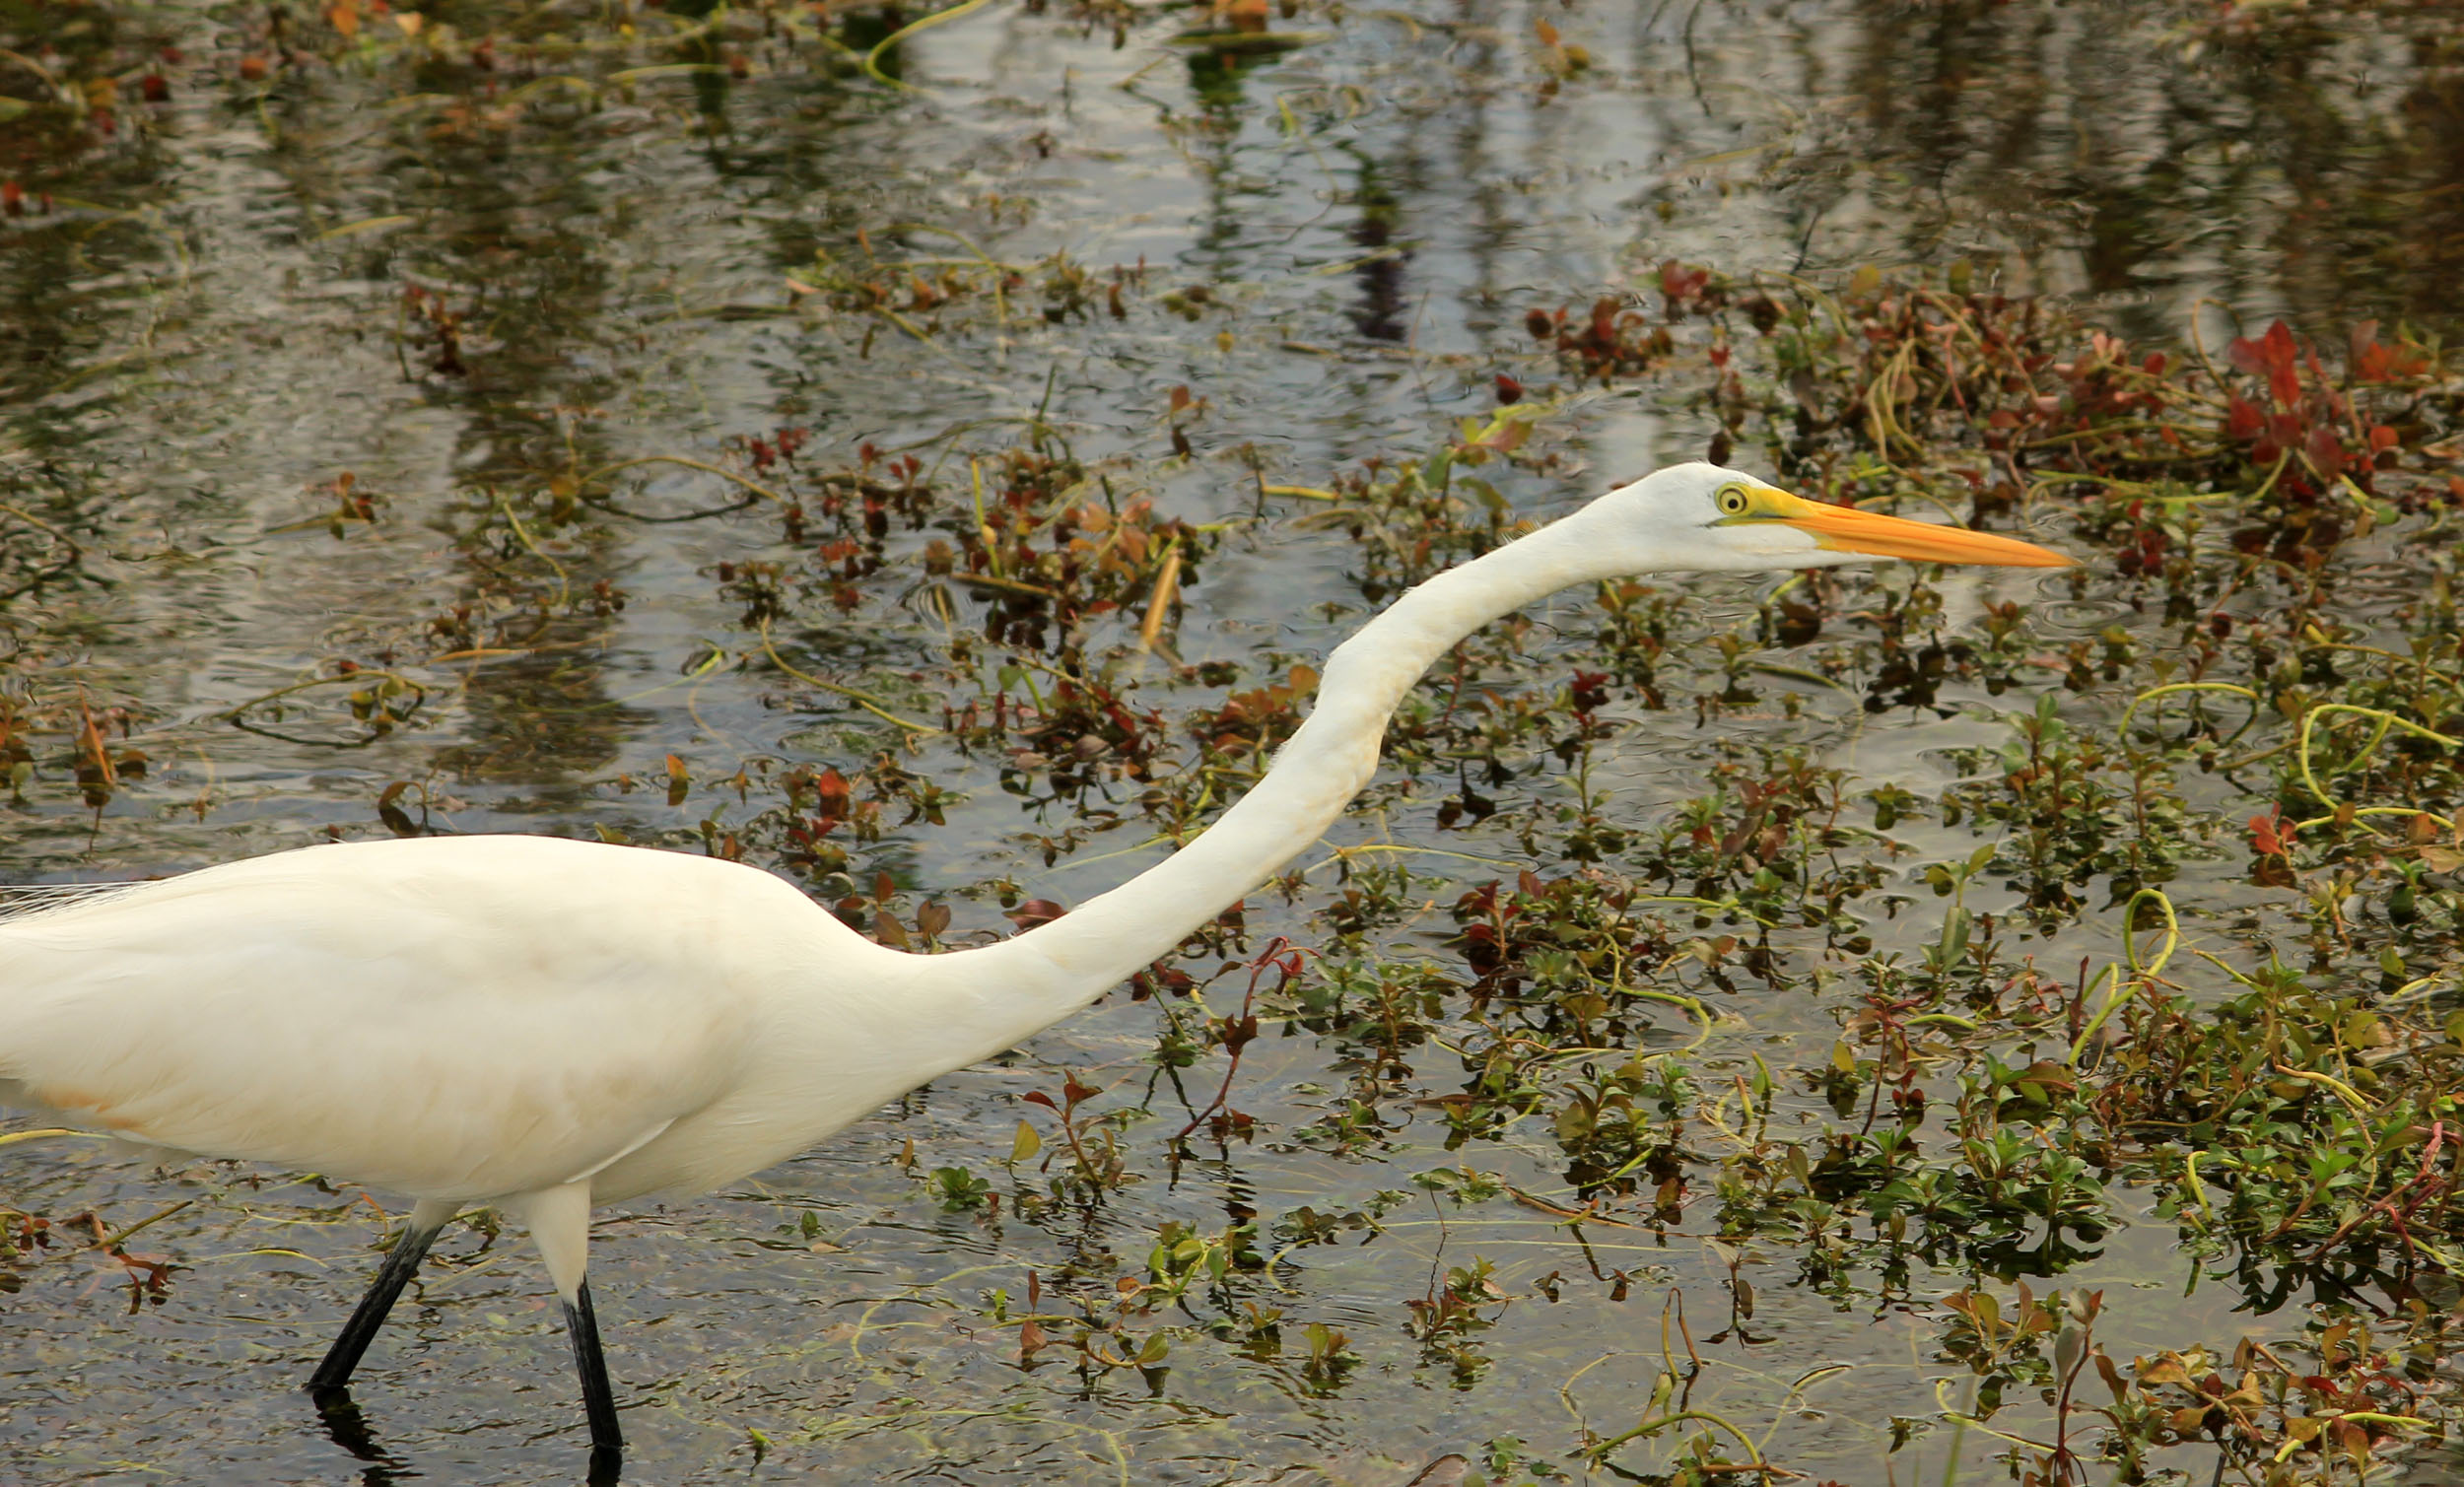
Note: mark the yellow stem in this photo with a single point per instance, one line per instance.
(872, 59)
(754, 487)
(865, 699)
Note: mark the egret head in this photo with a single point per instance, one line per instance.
(1709, 518)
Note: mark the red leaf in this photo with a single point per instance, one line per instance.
(2320, 376)
(2271, 833)
(1678, 284)
(2272, 357)
(1034, 911)
(2277, 347)
(830, 793)
(2285, 385)
(2371, 361)
(2326, 451)
(2241, 419)
(1604, 322)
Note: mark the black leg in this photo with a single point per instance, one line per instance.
(402, 1264)
(599, 1402)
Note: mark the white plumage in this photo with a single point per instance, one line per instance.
(548, 1025)
(466, 1017)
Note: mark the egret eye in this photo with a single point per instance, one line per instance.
(1732, 501)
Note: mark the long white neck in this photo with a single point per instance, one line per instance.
(1028, 982)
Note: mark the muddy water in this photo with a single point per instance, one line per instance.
(209, 328)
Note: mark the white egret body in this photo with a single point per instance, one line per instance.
(547, 1025)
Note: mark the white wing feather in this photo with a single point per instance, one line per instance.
(443, 1023)
(20, 900)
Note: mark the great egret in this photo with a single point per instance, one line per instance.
(545, 1025)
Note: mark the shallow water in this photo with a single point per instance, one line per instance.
(208, 329)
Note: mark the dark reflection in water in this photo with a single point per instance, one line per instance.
(1383, 304)
(2144, 160)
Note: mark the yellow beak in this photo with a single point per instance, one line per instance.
(1846, 529)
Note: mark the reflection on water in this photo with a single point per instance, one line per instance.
(460, 285)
